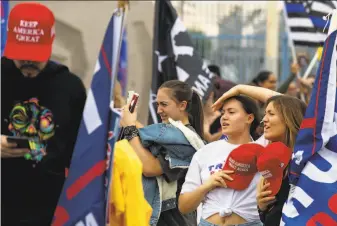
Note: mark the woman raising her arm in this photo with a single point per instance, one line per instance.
(165, 151)
(282, 121)
(205, 182)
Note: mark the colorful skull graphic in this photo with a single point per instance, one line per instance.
(29, 119)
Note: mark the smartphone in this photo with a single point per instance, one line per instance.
(21, 142)
(133, 103)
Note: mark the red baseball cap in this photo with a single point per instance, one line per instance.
(242, 160)
(30, 32)
(271, 164)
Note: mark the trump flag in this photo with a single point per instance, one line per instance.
(85, 192)
(313, 169)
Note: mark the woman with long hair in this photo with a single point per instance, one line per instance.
(166, 150)
(205, 181)
(265, 79)
(282, 121)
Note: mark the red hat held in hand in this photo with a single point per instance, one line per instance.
(30, 32)
(271, 164)
(242, 160)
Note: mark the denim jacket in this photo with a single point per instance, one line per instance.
(168, 140)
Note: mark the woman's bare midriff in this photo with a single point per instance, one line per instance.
(228, 220)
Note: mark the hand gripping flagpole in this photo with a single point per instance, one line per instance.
(317, 57)
(119, 14)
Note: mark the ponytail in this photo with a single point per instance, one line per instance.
(196, 114)
(261, 77)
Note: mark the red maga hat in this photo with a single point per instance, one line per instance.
(30, 32)
(242, 160)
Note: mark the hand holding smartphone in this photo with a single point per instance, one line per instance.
(14, 147)
(21, 142)
(133, 103)
(132, 99)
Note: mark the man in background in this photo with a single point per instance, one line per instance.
(42, 101)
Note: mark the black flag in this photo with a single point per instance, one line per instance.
(174, 56)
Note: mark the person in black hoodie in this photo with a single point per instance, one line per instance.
(42, 101)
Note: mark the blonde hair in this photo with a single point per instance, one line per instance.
(292, 111)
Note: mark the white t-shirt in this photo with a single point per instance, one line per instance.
(225, 201)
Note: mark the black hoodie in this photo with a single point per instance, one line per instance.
(30, 190)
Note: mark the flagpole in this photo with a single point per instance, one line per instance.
(155, 60)
(333, 22)
(122, 12)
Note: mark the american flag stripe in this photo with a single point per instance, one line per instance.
(306, 23)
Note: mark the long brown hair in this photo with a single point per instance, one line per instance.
(292, 111)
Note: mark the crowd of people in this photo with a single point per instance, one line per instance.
(188, 152)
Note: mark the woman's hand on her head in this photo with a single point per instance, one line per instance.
(128, 118)
(230, 93)
(263, 199)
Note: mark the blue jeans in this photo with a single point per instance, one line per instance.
(255, 223)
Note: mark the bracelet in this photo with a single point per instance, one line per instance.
(130, 132)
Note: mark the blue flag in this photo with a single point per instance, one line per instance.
(313, 169)
(85, 192)
(4, 21)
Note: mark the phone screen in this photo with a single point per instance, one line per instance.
(21, 142)
(134, 101)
